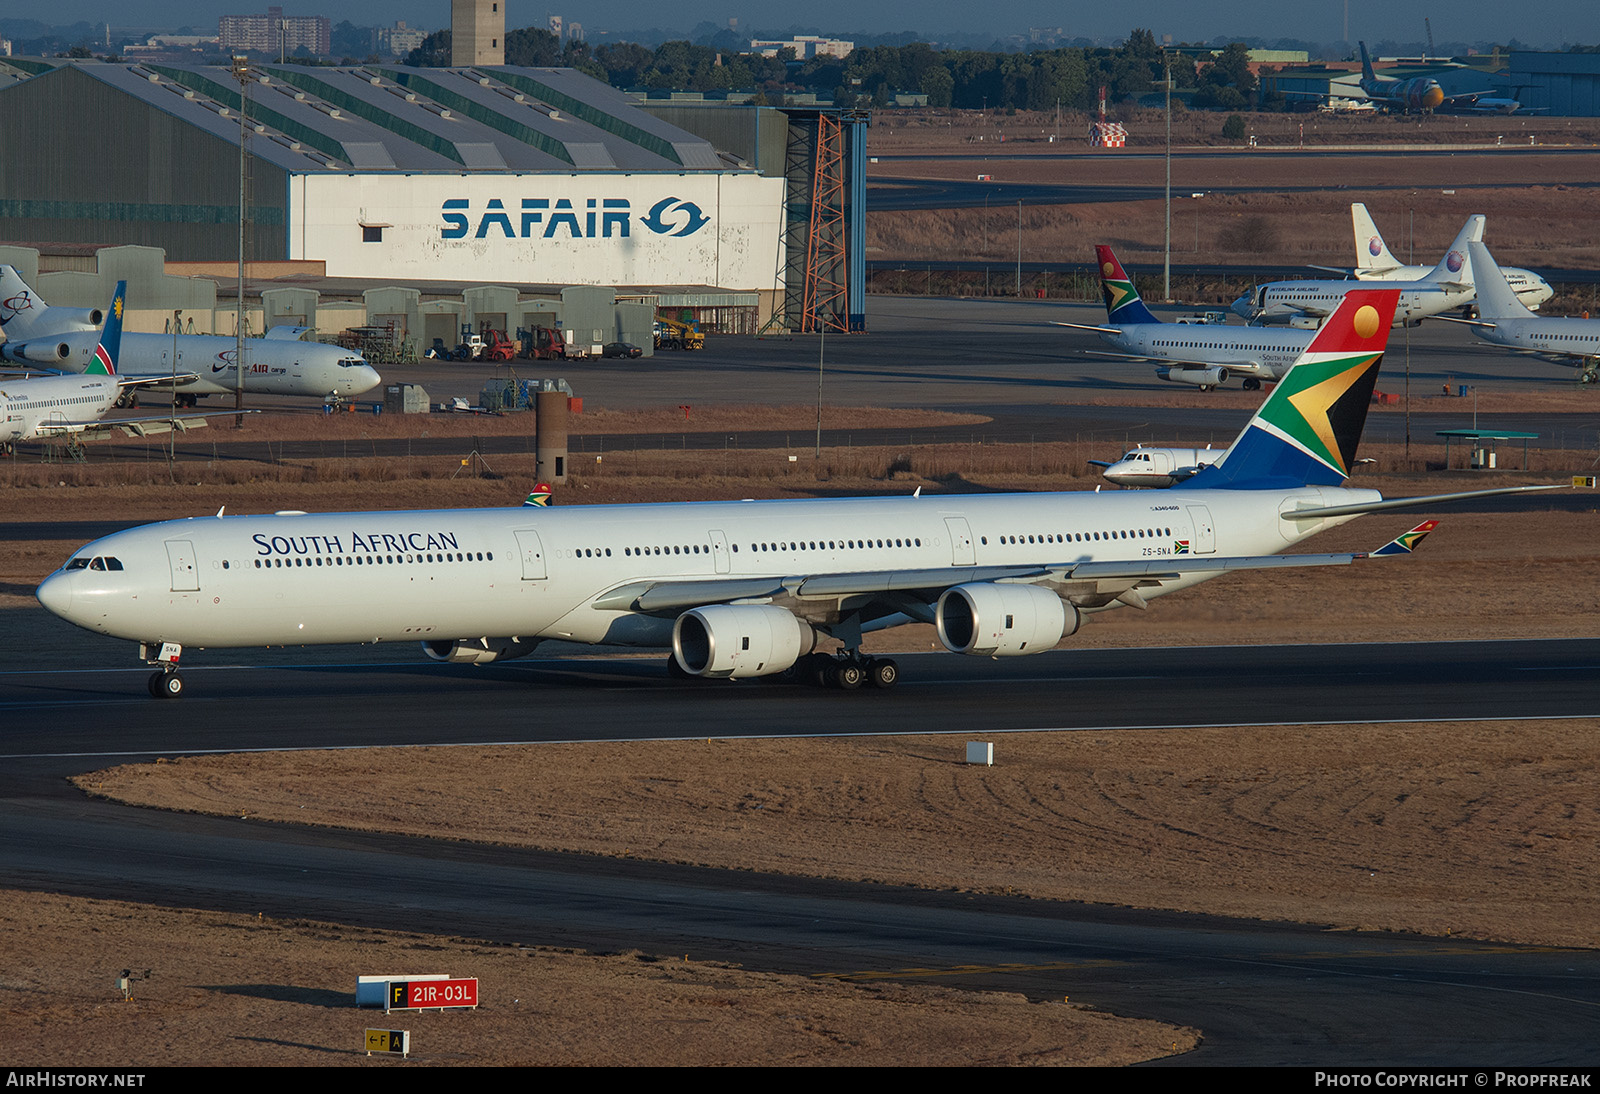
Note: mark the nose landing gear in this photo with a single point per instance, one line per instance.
(165, 682)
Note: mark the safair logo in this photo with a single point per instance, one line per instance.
(542, 218)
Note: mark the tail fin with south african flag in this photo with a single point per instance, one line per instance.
(1306, 432)
(1122, 299)
(105, 354)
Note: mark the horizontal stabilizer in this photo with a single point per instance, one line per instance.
(1407, 542)
(1406, 503)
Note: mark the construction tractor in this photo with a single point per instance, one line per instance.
(671, 334)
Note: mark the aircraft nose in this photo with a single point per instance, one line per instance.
(1432, 97)
(365, 379)
(55, 593)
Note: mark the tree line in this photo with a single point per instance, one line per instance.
(966, 79)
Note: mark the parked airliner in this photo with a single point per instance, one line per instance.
(749, 588)
(1375, 262)
(1203, 354)
(35, 407)
(1303, 303)
(282, 363)
(1504, 321)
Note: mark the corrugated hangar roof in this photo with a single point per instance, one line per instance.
(389, 118)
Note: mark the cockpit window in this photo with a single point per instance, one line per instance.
(76, 564)
(98, 564)
(352, 362)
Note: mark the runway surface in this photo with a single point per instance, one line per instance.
(1262, 993)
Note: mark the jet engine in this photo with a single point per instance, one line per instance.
(736, 641)
(65, 319)
(993, 620)
(39, 353)
(1203, 378)
(479, 651)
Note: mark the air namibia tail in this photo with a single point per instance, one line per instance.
(1306, 433)
(105, 354)
(1123, 305)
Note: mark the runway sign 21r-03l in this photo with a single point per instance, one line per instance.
(431, 994)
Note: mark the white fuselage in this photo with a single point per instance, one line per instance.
(48, 406)
(1530, 288)
(273, 366)
(1159, 466)
(1567, 337)
(1282, 300)
(1248, 351)
(573, 573)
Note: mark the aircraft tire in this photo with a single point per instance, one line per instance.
(166, 685)
(847, 675)
(883, 673)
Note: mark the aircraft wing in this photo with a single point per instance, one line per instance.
(1484, 323)
(1232, 366)
(913, 593)
(1098, 329)
(146, 381)
(135, 427)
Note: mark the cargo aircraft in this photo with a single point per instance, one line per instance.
(1504, 321)
(1204, 354)
(282, 363)
(750, 588)
(1375, 262)
(1447, 287)
(38, 407)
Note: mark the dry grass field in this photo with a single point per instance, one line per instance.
(1539, 204)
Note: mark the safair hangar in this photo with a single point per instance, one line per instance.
(483, 174)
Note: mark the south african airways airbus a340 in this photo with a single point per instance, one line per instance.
(750, 588)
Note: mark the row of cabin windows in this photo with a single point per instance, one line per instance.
(25, 403)
(1083, 537)
(373, 560)
(835, 545)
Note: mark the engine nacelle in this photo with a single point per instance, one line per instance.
(61, 320)
(993, 620)
(479, 651)
(737, 641)
(40, 353)
(1305, 322)
(1200, 377)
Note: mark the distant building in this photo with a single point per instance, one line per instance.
(805, 46)
(275, 32)
(1560, 84)
(400, 39)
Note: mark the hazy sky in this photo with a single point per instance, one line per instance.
(1543, 22)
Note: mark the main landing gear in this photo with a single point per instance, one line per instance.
(165, 682)
(847, 671)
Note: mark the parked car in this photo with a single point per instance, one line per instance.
(621, 349)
